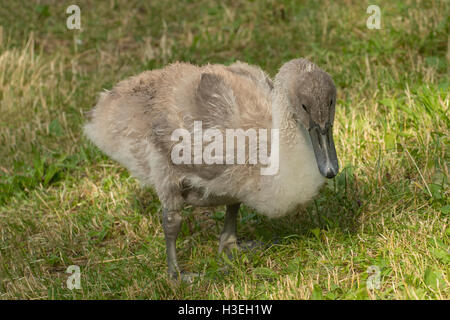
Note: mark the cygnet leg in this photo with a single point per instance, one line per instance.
(228, 237)
(172, 225)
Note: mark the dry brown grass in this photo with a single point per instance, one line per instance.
(63, 203)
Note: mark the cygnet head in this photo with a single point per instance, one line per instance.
(311, 96)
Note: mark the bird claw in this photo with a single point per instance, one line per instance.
(251, 245)
(184, 276)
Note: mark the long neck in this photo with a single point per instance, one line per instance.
(282, 118)
(293, 138)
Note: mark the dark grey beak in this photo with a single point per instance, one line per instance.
(324, 150)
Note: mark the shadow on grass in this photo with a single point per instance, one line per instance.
(339, 206)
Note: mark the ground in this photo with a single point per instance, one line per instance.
(384, 217)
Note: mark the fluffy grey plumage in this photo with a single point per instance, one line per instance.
(134, 121)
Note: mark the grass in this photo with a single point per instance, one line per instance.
(64, 203)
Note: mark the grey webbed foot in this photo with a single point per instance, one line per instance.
(228, 238)
(184, 276)
(251, 245)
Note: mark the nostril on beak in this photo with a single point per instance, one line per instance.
(330, 173)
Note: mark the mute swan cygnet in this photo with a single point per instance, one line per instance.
(135, 121)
